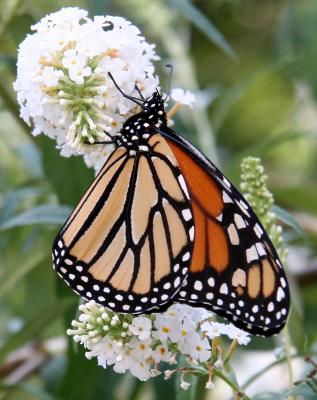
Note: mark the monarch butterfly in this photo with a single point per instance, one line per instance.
(161, 224)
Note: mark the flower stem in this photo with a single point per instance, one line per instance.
(214, 345)
(241, 395)
(200, 391)
(174, 110)
(287, 347)
(230, 351)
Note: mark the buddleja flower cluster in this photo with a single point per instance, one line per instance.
(254, 186)
(62, 81)
(143, 344)
(63, 86)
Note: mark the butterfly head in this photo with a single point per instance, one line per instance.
(148, 121)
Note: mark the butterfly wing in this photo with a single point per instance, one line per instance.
(127, 245)
(235, 270)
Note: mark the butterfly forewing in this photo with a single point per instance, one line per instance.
(234, 269)
(127, 245)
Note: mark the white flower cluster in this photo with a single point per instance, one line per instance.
(140, 344)
(63, 86)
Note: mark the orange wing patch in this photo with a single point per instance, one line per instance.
(217, 246)
(201, 186)
(210, 245)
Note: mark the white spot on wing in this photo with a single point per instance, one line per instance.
(192, 233)
(226, 198)
(283, 282)
(183, 185)
(224, 288)
(251, 254)
(260, 249)
(270, 307)
(186, 256)
(233, 235)
(198, 285)
(219, 218)
(258, 231)
(187, 214)
(239, 221)
(226, 182)
(211, 282)
(280, 294)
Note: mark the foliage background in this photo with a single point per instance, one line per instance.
(255, 64)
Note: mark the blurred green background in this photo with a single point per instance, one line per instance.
(253, 65)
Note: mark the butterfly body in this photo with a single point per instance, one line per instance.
(138, 128)
(160, 223)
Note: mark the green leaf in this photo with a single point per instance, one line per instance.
(288, 219)
(302, 390)
(44, 214)
(30, 260)
(34, 327)
(229, 98)
(196, 390)
(164, 389)
(84, 379)
(69, 177)
(197, 18)
(20, 26)
(302, 197)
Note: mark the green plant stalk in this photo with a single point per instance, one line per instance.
(287, 347)
(254, 186)
(13, 109)
(12, 7)
(200, 392)
(229, 382)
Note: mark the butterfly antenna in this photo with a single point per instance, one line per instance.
(171, 68)
(134, 99)
(139, 91)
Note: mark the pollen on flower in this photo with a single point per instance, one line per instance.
(63, 86)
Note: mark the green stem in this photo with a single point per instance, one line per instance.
(13, 108)
(230, 351)
(13, 6)
(230, 383)
(200, 390)
(287, 347)
(137, 389)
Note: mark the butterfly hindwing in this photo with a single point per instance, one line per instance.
(127, 245)
(234, 269)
